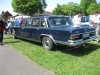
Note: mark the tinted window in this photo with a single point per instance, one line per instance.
(43, 23)
(83, 19)
(28, 21)
(57, 21)
(36, 22)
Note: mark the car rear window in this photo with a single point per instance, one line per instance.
(58, 21)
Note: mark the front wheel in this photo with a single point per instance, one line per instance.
(47, 43)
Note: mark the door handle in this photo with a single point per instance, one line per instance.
(37, 28)
(22, 28)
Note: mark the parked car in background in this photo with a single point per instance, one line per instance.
(85, 19)
(54, 30)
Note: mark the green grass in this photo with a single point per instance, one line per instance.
(62, 61)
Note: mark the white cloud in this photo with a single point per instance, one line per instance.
(50, 8)
(13, 13)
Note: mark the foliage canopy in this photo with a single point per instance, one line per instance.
(29, 7)
(86, 7)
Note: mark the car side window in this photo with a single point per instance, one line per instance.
(43, 23)
(83, 19)
(28, 22)
(36, 22)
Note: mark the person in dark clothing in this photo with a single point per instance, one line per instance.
(2, 28)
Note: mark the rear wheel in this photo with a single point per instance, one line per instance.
(47, 43)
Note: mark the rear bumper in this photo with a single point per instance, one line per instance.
(81, 41)
(77, 42)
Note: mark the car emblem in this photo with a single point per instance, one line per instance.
(77, 32)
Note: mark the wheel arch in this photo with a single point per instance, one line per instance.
(46, 35)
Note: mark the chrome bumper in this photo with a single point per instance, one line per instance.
(78, 42)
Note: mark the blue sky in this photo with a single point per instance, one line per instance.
(5, 5)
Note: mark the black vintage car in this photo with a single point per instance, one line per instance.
(54, 30)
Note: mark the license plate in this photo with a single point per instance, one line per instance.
(86, 34)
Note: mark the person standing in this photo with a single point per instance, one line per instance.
(77, 23)
(2, 28)
(77, 19)
(16, 22)
(96, 23)
(21, 21)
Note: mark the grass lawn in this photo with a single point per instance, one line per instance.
(62, 61)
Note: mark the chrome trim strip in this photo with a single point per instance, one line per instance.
(28, 39)
(76, 42)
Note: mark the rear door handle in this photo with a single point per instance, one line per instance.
(37, 28)
(22, 28)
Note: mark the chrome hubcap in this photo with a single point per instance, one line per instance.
(46, 44)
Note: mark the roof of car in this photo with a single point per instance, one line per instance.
(47, 16)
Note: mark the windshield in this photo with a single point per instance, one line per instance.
(59, 21)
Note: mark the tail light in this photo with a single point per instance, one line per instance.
(75, 36)
(92, 33)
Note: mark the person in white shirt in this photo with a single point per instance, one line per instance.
(77, 23)
(9, 24)
(77, 19)
(96, 23)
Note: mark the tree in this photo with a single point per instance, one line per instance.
(70, 8)
(84, 4)
(57, 10)
(66, 9)
(93, 7)
(29, 7)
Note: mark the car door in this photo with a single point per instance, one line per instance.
(26, 28)
(35, 27)
(20, 30)
(39, 27)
